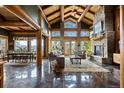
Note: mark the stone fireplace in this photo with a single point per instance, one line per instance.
(103, 47)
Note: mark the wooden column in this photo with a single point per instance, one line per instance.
(39, 48)
(47, 46)
(122, 46)
(78, 35)
(10, 42)
(62, 34)
(117, 32)
(29, 45)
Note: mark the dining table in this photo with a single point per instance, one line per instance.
(20, 56)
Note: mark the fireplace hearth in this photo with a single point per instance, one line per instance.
(98, 50)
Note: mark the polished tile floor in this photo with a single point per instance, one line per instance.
(30, 76)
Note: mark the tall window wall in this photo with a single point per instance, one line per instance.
(56, 34)
(84, 33)
(33, 45)
(70, 33)
(86, 45)
(21, 45)
(56, 46)
(3, 46)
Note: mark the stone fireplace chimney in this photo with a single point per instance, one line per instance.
(105, 15)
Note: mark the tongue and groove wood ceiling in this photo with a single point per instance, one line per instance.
(52, 14)
(71, 13)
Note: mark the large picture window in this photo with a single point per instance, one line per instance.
(56, 47)
(21, 45)
(55, 34)
(71, 34)
(33, 45)
(84, 33)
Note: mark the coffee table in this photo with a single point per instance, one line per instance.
(77, 59)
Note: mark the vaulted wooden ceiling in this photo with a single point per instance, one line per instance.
(74, 13)
(11, 22)
(11, 18)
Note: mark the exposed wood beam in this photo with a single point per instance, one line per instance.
(21, 14)
(23, 32)
(2, 17)
(54, 18)
(43, 15)
(84, 12)
(67, 12)
(66, 6)
(6, 28)
(70, 16)
(70, 19)
(88, 11)
(85, 19)
(53, 13)
(62, 12)
(53, 21)
(46, 6)
(88, 19)
(80, 15)
(22, 29)
(13, 24)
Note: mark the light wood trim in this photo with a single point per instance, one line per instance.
(43, 15)
(74, 38)
(13, 24)
(122, 46)
(62, 12)
(84, 13)
(15, 33)
(84, 38)
(21, 14)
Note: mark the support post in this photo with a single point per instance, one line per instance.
(122, 46)
(78, 36)
(29, 45)
(62, 35)
(47, 46)
(39, 48)
(11, 42)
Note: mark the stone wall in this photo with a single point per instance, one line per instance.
(106, 15)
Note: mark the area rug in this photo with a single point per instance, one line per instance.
(85, 66)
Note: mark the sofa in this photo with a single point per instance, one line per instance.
(56, 61)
